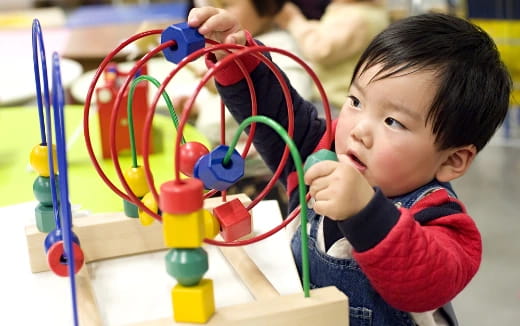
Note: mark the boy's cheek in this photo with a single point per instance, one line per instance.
(387, 160)
(343, 131)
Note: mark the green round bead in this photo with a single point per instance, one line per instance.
(42, 190)
(321, 155)
(187, 266)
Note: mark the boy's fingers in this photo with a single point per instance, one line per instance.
(318, 184)
(319, 169)
(223, 24)
(218, 25)
(312, 173)
(198, 16)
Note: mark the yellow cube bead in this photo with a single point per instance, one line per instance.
(183, 230)
(193, 304)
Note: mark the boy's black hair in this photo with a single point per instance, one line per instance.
(268, 7)
(474, 85)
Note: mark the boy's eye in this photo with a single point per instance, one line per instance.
(394, 123)
(353, 101)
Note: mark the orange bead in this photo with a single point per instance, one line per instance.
(39, 159)
(136, 179)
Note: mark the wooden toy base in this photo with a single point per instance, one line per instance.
(110, 235)
(105, 236)
(326, 306)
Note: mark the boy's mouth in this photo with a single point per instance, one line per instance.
(357, 162)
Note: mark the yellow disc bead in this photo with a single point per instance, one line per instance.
(149, 202)
(39, 160)
(136, 179)
(211, 225)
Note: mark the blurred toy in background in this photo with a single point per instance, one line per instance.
(105, 100)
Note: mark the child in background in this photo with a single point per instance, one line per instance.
(334, 43)
(258, 17)
(312, 9)
(386, 227)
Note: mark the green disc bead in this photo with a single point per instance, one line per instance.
(321, 155)
(44, 218)
(42, 190)
(187, 266)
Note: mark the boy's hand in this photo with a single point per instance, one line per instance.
(338, 189)
(217, 24)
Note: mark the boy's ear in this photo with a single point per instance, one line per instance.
(457, 162)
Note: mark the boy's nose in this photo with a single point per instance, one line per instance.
(361, 133)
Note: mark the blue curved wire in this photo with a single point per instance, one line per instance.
(65, 210)
(37, 44)
(37, 36)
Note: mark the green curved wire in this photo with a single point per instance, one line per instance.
(169, 104)
(301, 184)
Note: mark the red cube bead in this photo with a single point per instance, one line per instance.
(235, 220)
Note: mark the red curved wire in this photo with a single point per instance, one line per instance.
(242, 50)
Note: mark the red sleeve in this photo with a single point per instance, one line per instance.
(419, 267)
(231, 73)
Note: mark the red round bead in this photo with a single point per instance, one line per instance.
(190, 153)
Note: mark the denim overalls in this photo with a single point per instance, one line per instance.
(365, 304)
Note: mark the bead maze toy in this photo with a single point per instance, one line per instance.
(191, 212)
